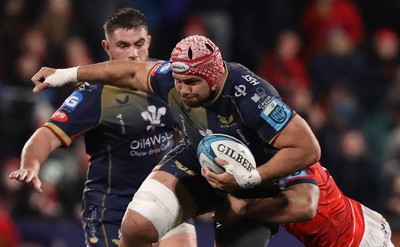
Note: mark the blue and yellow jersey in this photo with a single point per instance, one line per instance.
(247, 108)
(126, 134)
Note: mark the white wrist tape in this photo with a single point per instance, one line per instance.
(245, 179)
(62, 77)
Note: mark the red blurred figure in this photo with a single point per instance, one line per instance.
(320, 16)
(9, 234)
(285, 70)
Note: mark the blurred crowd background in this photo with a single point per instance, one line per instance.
(336, 62)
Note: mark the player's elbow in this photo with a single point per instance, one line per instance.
(313, 153)
(305, 202)
(309, 209)
(308, 213)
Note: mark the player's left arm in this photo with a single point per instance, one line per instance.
(298, 148)
(263, 110)
(34, 154)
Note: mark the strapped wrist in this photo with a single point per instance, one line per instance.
(62, 76)
(252, 180)
(245, 179)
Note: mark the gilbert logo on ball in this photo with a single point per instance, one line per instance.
(227, 148)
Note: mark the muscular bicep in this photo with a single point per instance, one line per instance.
(298, 144)
(44, 137)
(297, 148)
(297, 134)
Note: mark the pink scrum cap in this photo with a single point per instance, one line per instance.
(197, 55)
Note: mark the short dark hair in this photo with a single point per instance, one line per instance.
(127, 18)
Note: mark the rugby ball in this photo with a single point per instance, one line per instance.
(227, 148)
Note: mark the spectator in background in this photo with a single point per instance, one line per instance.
(384, 63)
(211, 18)
(32, 51)
(341, 64)
(339, 114)
(256, 25)
(286, 72)
(54, 21)
(382, 130)
(15, 17)
(75, 53)
(336, 73)
(355, 171)
(319, 17)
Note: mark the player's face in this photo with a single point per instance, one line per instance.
(194, 91)
(123, 44)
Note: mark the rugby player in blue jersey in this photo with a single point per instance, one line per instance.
(209, 95)
(126, 134)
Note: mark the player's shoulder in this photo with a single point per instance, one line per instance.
(162, 67)
(240, 74)
(245, 84)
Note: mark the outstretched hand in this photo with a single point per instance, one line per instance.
(48, 77)
(39, 79)
(28, 176)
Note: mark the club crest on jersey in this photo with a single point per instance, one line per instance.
(153, 115)
(179, 67)
(228, 120)
(276, 113)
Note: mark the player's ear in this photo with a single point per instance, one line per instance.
(105, 45)
(149, 40)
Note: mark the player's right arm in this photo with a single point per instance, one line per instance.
(296, 204)
(131, 74)
(34, 154)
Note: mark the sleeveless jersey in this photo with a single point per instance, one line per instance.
(126, 134)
